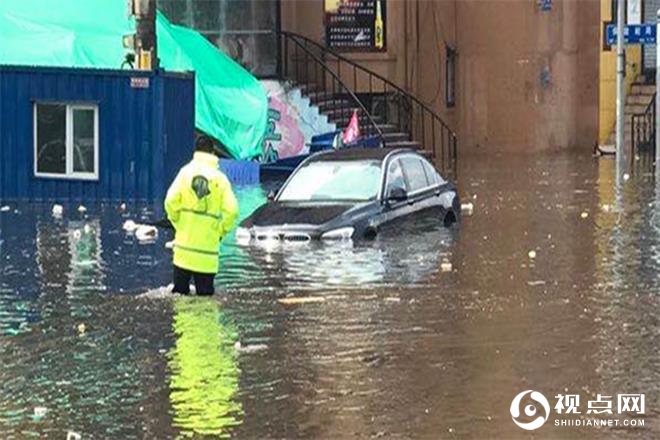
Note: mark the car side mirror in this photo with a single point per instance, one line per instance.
(397, 194)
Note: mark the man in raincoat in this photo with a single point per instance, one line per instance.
(202, 208)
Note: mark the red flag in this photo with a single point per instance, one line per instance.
(352, 132)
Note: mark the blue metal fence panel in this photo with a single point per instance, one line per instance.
(145, 133)
(241, 172)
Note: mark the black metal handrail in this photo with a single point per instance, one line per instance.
(340, 91)
(399, 107)
(643, 133)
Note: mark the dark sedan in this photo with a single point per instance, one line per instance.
(350, 194)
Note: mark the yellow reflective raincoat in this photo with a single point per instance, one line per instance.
(202, 208)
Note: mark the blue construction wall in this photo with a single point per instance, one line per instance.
(145, 134)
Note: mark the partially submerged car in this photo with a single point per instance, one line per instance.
(351, 194)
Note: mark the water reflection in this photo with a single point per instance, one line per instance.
(628, 292)
(204, 369)
(67, 363)
(398, 348)
(406, 252)
(87, 271)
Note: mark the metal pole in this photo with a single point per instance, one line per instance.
(145, 24)
(620, 89)
(657, 101)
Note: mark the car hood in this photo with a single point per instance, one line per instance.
(279, 214)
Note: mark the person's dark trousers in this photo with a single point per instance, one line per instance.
(203, 282)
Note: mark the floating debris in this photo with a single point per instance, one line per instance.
(467, 208)
(71, 435)
(146, 233)
(122, 206)
(531, 254)
(584, 214)
(446, 266)
(536, 283)
(81, 328)
(250, 348)
(301, 300)
(130, 226)
(626, 177)
(82, 209)
(5, 209)
(58, 210)
(40, 411)
(164, 292)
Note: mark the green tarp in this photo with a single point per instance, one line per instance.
(231, 105)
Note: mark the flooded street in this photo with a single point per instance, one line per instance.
(393, 346)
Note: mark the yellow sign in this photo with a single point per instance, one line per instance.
(144, 62)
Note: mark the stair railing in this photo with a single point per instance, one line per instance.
(300, 64)
(643, 134)
(387, 101)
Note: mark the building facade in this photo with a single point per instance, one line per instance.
(514, 76)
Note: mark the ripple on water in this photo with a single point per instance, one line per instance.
(398, 346)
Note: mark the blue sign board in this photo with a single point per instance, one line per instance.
(545, 5)
(644, 33)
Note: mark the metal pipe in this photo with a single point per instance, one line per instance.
(620, 90)
(657, 101)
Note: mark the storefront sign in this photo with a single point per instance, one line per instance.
(356, 25)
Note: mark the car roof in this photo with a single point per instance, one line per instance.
(348, 154)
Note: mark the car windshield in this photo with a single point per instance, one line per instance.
(339, 180)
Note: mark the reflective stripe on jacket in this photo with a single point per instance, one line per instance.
(202, 207)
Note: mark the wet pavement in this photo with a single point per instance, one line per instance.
(393, 346)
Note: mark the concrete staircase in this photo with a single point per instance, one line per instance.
(637, 101)
(339, 111)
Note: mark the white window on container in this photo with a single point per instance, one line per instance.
(66, 141)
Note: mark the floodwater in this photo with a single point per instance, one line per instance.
(394, 346)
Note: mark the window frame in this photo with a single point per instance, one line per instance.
(310, 163)
(215, 34)
(408, 172)
(394, 161)
(437, 177)
(399, 156)
(69, 174)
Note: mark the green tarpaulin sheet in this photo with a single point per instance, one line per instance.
(231, 105)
